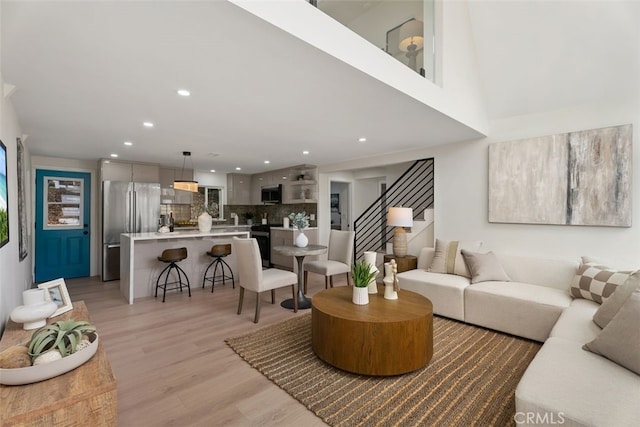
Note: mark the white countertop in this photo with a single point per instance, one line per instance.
(186, 234)
(293, 228)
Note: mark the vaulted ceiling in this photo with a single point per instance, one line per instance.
(87, 74)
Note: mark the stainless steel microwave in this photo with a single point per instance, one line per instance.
(272, 194)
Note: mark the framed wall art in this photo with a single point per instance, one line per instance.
(576, 178)
(23, 241)
(4, 198)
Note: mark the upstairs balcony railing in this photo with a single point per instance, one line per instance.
(413, 189)
(403, 29)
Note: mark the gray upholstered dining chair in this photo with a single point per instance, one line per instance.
(254, 278)
(339, 259)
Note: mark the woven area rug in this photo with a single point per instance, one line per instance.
(471, 379)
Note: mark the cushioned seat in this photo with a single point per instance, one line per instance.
(521, 309)
(446, 291)
(576, 322)
(339, 259)
(172, 257)
(581, 387)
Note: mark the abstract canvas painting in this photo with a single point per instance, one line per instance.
(4, 199)
(576, 178)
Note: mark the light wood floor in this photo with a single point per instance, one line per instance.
(172, 365)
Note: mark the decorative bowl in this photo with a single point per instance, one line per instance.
(33, 374)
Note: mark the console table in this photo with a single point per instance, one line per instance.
(85, 396)
(405, 263)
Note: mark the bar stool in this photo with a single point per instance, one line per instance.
(172, 256)
(218, 252)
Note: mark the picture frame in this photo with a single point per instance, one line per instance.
(23, 240)
(58, 293)
(4, 198)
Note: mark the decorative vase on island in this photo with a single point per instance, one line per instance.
(301, 240)
(204, 222)
(35, 311)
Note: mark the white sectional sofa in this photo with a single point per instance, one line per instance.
(564, 384)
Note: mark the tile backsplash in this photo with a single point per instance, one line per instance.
(274, 213)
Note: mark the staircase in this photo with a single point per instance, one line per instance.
(413, 189)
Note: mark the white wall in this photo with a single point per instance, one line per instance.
(461, 188)
(15, 275)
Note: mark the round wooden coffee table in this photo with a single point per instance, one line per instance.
(384, 337)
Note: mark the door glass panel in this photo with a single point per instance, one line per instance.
(63, 203)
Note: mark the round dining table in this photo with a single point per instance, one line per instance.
(290, 250)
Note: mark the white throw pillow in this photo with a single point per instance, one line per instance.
(448, 257)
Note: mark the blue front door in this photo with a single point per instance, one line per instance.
(62, 237)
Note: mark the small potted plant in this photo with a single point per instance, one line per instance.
(249, 217)
(58, 340)
(300, 220)
(362, 274)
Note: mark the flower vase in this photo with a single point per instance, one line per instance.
(301, 240)
(388, 280)
(370, 258)
(360, 295)
(204, 222)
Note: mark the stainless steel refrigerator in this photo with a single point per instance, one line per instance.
(127, 207)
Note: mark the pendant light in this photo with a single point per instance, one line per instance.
(186, 185)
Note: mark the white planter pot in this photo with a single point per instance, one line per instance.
(301, 240)
(360, 296)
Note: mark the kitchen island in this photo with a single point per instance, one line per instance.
(139, 265)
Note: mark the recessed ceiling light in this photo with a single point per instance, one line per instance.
(266, 162)
(183, 92)
(362, 139)
(212, 170)
(128, 143)
(114, 155)
(238, 168)
(284, 177)
(147, 124)
(305, 152)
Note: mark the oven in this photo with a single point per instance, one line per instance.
(261, 233)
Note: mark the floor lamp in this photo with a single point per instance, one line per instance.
(400, 218)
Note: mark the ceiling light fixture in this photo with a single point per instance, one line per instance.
(362, 139)
(183, 92)
(305, 152)
(114, 155)
(266, 162)
(128, 143)
(238, 168)
(147, 124)
(212, 170)
(183, 184)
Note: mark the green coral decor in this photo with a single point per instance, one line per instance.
(63, 336)
(299, 220)
(362, 274)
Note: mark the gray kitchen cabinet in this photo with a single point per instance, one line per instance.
(257, 182)
(168, 194)
(129, 172)
(238, 189)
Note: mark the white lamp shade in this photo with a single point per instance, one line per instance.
(400, 217)
(411, 32)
